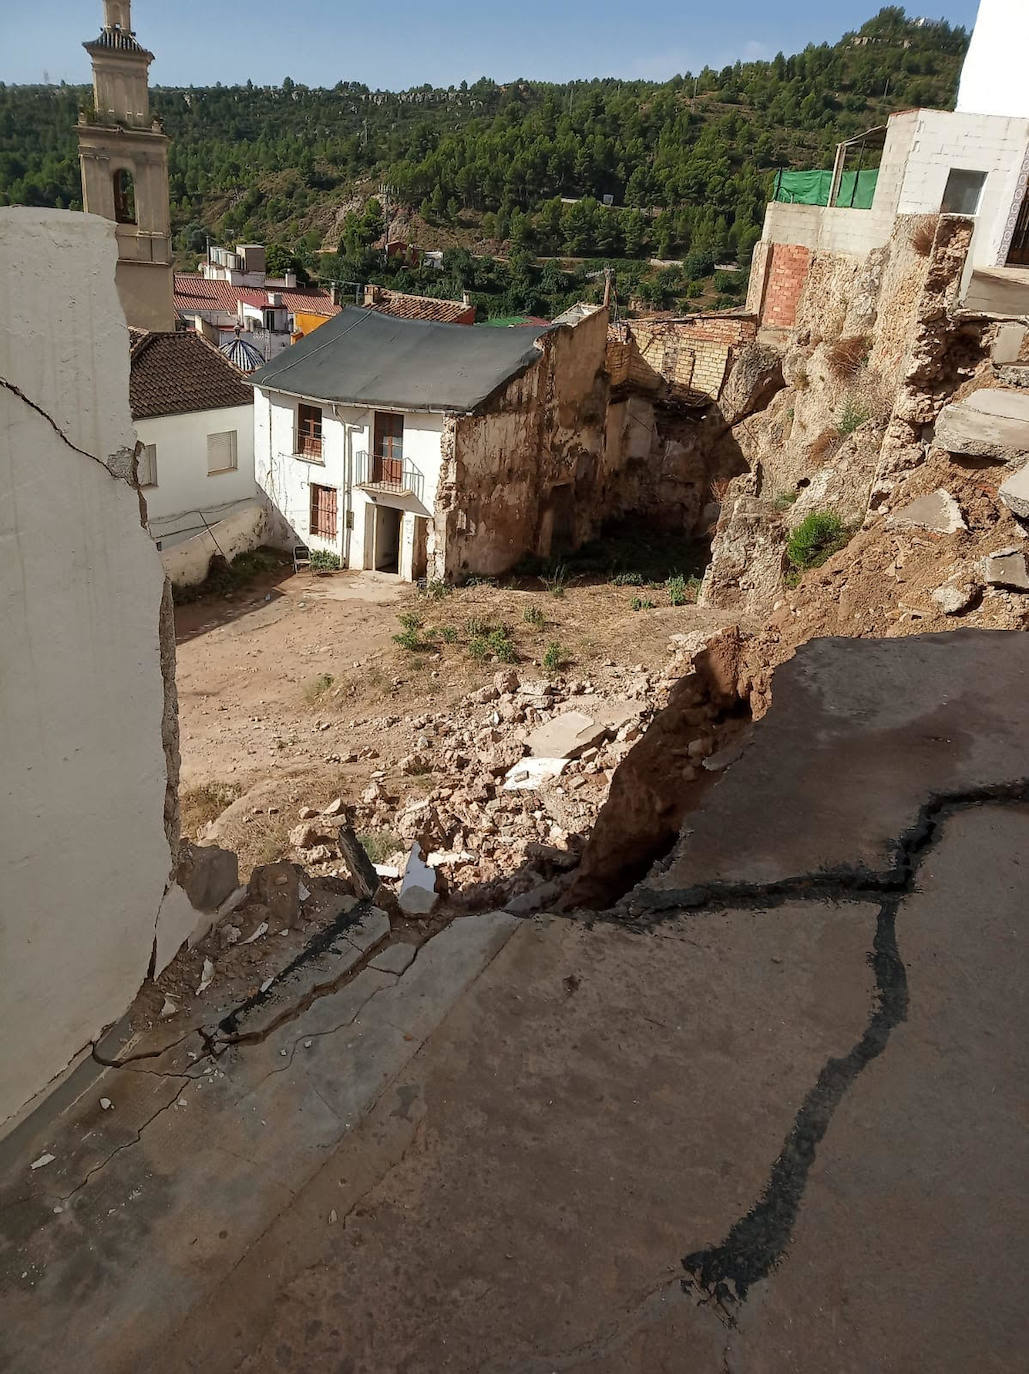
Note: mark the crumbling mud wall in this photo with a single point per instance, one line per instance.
(88, 804)
(528, 474)
(877, 349)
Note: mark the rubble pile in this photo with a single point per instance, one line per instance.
(499, 797)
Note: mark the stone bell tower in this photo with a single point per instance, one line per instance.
(123, 155)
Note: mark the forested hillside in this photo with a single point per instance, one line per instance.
(688, 163)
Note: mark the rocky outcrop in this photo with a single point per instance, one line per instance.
(747, 567)
(753, 381)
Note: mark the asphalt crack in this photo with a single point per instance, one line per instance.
(723, 1274)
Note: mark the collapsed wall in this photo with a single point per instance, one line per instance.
(89, 808)
(527, 475)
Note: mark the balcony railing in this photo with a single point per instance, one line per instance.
(381, 472)
(309, 448)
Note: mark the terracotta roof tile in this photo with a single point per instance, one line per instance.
(406, 307)
(174, 373)
(194, 292)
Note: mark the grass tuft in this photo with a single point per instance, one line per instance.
(817, 537)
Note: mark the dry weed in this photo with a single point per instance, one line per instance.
(923, 235)
(846, 357)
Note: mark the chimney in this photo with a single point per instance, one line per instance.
(334, 293)
(274, 298)
(465, 298)
(290, 280)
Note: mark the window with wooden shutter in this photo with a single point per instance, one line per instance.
(146, 466)
(323, 511)
(221, 452)
(309, 431)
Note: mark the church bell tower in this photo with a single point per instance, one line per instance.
(123, 155)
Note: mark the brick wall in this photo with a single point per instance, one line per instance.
(692, 354)
(786, 278)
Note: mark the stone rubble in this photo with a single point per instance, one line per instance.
(452, 797)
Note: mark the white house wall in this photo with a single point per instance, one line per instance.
(183, 484)
(87, 721)
(993, 78)
(347, 433)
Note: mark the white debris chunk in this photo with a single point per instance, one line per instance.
(267, 984)
(262, 929)
(206, 978)
(333, 1217)
(106, 1104)
(418, 888)
(169, 1008)
(42, 1161)
(530, 773)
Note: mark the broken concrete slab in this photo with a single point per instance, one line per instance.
(991, 423)
(418, 895)
(311, 973)
(1006, 568)
(568, 734)
(528, 774)
(395, 959)
(938, 512)
(1014, 492)
(171, 1207)
(938, 709)
(1007, 346)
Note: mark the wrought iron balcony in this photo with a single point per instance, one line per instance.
(381, 472)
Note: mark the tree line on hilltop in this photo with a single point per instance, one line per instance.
(607, 169)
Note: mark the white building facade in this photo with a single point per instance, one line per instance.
(357, 483)
(194, 466)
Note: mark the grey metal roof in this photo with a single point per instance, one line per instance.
(363, 357)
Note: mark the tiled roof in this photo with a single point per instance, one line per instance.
(194, 292)
(406, 307)
(172, 374)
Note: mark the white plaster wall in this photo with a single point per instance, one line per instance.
(183, 482)
(993, 78)
(84, 858)
(187, 563)
(347, 432)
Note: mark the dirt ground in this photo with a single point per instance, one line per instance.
(293, 691)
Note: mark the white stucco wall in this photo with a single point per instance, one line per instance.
(84, 855)
(183, 482)
(243, 527)
(347, 433)
(993, 78)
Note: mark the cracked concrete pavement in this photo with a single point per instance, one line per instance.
(765, 1116)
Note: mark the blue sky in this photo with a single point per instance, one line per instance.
(408, 42)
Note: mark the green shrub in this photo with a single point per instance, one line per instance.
(628, 579)
(852, 416)
(532, 615)
(501, 645)
(642, 603)
(322, 560)
(678, 592)
(478, 648)
(553, 657)
(817, 537)
(380, 844)
(555, 583)
(448, 634)
(410, 637)
(437, 589)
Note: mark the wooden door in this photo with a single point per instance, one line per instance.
(388, 449)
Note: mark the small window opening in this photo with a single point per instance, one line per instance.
(124, 197)
(963, 193)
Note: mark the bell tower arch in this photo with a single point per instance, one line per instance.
(123, 157)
